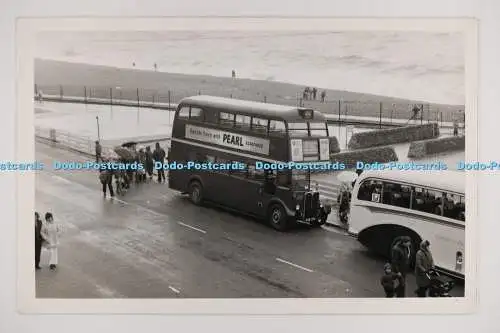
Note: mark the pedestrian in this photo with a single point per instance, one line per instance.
(50, 232)
(455, 127)
(149, 162)
(233, 74)
(106, 178)
(159, 156)
(39, 240)
(400, 260)
(156, 67)
(323, 96)
(314, 92)
(389, 281)
(423, 264)
(98, 151)
(141, 172)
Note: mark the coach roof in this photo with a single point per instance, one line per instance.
(445, 180)
(285, 112)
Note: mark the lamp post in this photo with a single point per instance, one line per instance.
(98, 129)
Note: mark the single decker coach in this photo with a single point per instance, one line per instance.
(224, 130)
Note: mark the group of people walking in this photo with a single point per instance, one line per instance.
(310, 94)
(394, 279)
(46, 237)
(123, 178)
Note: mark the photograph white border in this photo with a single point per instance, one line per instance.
(26, 31)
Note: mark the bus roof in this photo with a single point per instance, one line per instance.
(444, 180)
(285, 112)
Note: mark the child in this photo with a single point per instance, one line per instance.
(389, 280)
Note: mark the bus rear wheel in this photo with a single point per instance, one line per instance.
(277, 217)
(196, 193)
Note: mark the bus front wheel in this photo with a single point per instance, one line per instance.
(196, 193)
(278, 218)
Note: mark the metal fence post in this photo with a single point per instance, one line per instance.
(138, 104)
(340, 109)
(381, 105)
(111, 96)
(85, 94)
(61, 92)
(169, 99)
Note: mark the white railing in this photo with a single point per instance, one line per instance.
(81, 144)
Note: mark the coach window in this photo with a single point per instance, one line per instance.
(242, 122)
(396, 195)
(420, 200)
(277, 127)
(453, 206)
(226, 119)
(318, 129)
(196, 114)
(370, 190)
(183, 112)
(259, 125)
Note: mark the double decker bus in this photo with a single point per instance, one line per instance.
(223, 131)
(430, 205)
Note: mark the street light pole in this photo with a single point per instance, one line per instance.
(98, 129)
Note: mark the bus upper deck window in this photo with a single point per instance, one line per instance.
(242, 121)
(277, 127)
(226, 119)
(196, 114)
(259, 125)
(183, 112)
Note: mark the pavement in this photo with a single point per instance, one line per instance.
(153, 243)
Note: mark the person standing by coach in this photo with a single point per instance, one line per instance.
(400, 260)
(38, 239)
(159, 156)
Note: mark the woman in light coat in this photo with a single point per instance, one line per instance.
(423, 264)
(50, 232)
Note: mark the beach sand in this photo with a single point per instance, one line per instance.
(72, 79)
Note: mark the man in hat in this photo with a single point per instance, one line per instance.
(400, 261)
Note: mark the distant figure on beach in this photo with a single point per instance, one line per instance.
(314, 92)
(156, 67)
(455, 127)
(233, 74)
(323, 96)
(415, 111)
(133, 64)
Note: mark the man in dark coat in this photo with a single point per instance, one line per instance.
(149, 162)
(400, 261)
(159, 156)
(423, 263)
(38, 239)
(106, 178)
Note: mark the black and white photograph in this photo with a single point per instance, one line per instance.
(251, 164)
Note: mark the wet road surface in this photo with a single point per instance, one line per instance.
(153, 243)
